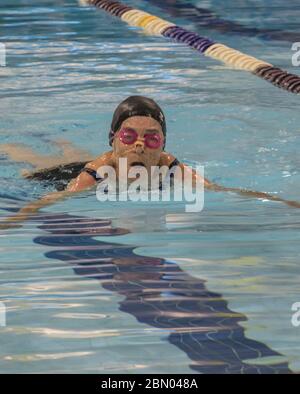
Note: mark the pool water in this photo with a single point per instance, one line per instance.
(123, 287)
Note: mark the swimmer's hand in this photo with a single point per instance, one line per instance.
(7, 225)
(254, 194)
(31, 209)
(294, 204)
(13, 221)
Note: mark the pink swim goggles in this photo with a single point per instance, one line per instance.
(130, 136)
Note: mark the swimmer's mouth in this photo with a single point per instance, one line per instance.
(137, 163)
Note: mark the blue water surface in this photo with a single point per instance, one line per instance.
(112, 287)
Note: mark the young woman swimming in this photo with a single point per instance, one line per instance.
(138, 133)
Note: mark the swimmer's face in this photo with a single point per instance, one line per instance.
(148, 132)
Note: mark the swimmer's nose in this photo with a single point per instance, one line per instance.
(139, 146)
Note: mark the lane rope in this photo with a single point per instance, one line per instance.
(229, 56)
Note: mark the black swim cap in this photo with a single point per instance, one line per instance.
(136, 106)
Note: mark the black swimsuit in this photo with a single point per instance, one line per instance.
(60, 176)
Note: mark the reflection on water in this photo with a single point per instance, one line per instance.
(157, 292)
(209, 19)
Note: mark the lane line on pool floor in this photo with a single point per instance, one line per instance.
(157, 292)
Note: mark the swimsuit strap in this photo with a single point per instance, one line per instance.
(174, 163)
(91, 172)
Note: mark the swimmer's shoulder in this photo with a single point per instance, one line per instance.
(104, 159)
(167, 159)
(88, 175)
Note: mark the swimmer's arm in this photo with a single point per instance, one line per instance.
(188, 171)
(83, 182)
(30, 209)
(243, 192)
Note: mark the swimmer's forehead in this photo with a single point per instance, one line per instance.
(151, 130)
(144, 123)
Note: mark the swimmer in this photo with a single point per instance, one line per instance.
(138, 133)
